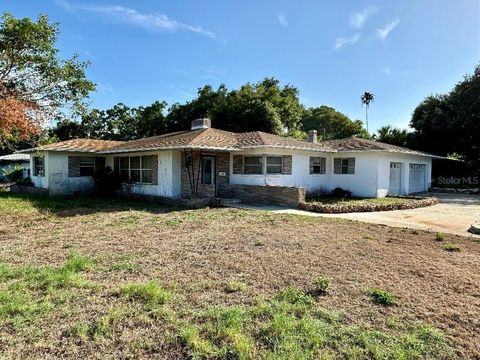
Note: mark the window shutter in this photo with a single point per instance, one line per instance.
(312, 159)
(237, 164)
(73, 166)
(154, 169)
(99, 163)
(337, 166)
(287, 165)
(351, 166)
(116, 165)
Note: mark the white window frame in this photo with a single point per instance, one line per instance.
(264, 164)
(323, 167)
(36, 172)
(342, 166)
(267, 165)
(255, 165)
(80, 166)
(141, 169)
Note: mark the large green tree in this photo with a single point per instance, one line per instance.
(450, 124)
(332, 124)
(35, 83)
(264, 106)
(395, 136)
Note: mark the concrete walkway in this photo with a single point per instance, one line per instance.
(453, 215)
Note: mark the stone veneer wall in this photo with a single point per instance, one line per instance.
(266, 195)
(208, 191)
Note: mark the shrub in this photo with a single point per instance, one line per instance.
(382, 297)
(25, 182)
(439, 236)
(322, 284)
(106, 181)
(341, 193)
(13, 174)
(451, 247)
(235, 286)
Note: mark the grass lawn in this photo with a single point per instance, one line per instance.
(90, 278)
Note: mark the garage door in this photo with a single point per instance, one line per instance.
(417, 178)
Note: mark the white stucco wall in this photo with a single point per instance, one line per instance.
(169, 184)
(39, 181)
(58, 181)
(300, 176)
(371, 178)
(405, 160)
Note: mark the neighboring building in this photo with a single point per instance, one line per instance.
(252, 166)
(14, 161)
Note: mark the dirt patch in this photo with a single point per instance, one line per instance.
(197, 253)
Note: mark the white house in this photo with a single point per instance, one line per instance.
(253, 166)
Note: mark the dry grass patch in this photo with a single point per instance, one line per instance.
(152, 284)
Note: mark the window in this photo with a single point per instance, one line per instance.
(38, 166)
(253, 165)
(136, 168)
(86, 165)
(274, 164)
(208, 170)
(147, 169)
(318, 165)
(344, 166)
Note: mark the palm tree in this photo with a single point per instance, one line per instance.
(367, 98)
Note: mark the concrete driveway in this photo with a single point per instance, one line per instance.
(454, 214)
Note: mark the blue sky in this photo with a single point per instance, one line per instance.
(332, 51)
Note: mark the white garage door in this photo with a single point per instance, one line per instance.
(417, 178)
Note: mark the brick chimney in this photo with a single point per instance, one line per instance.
(203, 123)
(312, 136)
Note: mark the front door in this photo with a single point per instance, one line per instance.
(208, 170)
(395, 173)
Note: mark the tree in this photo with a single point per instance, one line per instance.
(464, 104)
(449, 124)
(367, 98)
(151, 120)
(68, 129)
(264, 106)
(394, 136)
(433, 123)
(332, 124)
(35, 84)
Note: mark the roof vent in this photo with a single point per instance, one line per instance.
(203, 123)
(312, 136)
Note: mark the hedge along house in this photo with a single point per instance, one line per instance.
(254, 167)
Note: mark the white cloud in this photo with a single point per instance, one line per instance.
(358, 19)
(347, 40)
(383, 33)
(147, 21)
(282, 19)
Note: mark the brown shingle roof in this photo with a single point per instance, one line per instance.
(359, 144)
(80, 145)
(214, 139)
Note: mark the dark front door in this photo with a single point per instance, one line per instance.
(208, 170)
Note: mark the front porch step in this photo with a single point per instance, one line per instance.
(228, 201)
